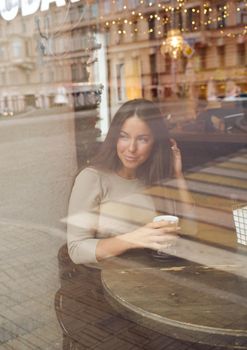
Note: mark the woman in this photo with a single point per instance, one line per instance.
(111, 212)
(104, 212)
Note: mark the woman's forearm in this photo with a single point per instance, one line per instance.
(185, 197)
(187, 203)
(184, 193)
(154, 235)
(113, 246)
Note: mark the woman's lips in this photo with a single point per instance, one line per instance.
(130, 159)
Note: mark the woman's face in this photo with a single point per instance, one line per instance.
(134, 145)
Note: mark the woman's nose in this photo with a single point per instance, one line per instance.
(132, 146)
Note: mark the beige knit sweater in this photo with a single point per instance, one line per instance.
(103, 205)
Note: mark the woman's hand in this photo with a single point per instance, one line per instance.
(177, 159)
(155, 235)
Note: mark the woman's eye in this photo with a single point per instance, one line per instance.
(123, 136)
(143, 139)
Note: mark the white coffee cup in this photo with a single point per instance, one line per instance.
(169, 248)
(171, 219)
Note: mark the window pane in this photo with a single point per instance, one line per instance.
(112, 113)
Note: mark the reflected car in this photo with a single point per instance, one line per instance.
(7, 112)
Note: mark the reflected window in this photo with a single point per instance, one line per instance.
(84, 73)
(60, 75)
(241, 12)
(81, 11)
(3, 78)
(107, 36)
(119, 5)
(24, 28)
(133, 3)
(153, 70)
(120, 81)
(221, 15)
(74, 15)
(149, 2)
(221, 55)
(16, 49)
(168, 63)
(151, 27)
(202, 53)
(41, 77)
(14, 76)
(59, 45)
(75, 72)
(208, 22)
(120, 33)
(51, 75)
(5, 101)
(183, 64)
(135, 30)
(2, 52)
(77, 13)
(166, 25)
(193, 20)
(178, 21)
(95, 9)
(107, 7)
(28, 48)
(241, 54)
(83, 39)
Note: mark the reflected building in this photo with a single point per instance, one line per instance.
(44, 62)
(135, 30)
(117, 44)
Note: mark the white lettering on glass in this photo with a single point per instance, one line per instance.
(29, 7)
(9, 9)
(46, 3)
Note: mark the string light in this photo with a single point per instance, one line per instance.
(164, 12)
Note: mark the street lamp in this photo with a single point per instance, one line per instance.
(173, 45)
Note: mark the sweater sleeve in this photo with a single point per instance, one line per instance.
(82, 220)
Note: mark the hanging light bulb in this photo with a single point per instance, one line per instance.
(174, 44)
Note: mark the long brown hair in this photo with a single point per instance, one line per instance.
(158, 165)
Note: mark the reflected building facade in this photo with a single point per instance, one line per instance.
(63, 55)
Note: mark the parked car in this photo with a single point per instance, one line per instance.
(7, 112)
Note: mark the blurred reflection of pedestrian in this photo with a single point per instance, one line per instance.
(211, 90)
(232, 90)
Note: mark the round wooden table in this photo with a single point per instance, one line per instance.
(181, 299)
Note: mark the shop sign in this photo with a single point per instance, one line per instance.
(10, 8)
